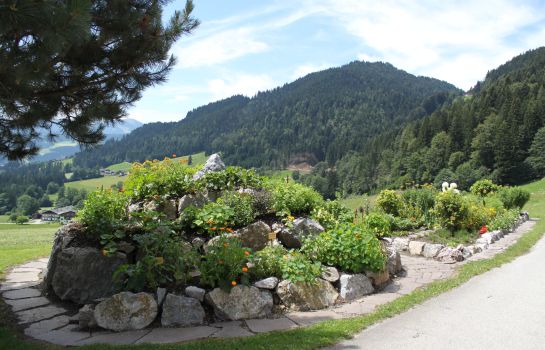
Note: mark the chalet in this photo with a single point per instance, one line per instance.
(59, 214)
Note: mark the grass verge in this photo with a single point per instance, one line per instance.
(330, 332)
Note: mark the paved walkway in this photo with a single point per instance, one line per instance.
(53, 323)
(501, 309)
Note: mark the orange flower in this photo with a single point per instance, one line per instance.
(244, 269)
(246, 253)
(173, 155)
(233, 283)
(104, 252)
(222, 228)
(226, 244)
(230, 230)
(213, 228)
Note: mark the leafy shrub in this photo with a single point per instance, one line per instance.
(261, 202)
(154, 178)
(242, 205)
(268, 262)
(293, 198)
(348, 247)
(378, 223)
(404, 224)
(390, 202)
(504, 220)
(296, 267)
(418, 203)
(214, 218)
(331, 214)
(229, 179)
(166, 261)
(484, 188)
(450, 210)
(513, 197)
(226, 264)
(103, 212)
(477, 214)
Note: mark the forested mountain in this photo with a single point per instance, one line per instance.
(320, 117)
(489, 132)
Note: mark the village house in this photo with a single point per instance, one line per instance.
(59, 214)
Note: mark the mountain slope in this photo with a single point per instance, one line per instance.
(319, 117)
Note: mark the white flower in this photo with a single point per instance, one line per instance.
(444, 186)
(453, 186)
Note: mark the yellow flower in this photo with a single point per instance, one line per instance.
(159, 260)
(290, 218)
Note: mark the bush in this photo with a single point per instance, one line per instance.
(166, 261)
(103, 212)
(450, 210)
(214, 218)
(226, 264)
(297, 268)
(293, 198)
(484, 188)
(378, 223)
(390, 202)
(403, 224)
(504, 220)
(331, 214)
(242, 205)
(229, 179)
(513, 197)
(21, 219)
(477, 213)
(268, 262)
(348, 247)
(418, 203)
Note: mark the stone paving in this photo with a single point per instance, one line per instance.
(53, 323)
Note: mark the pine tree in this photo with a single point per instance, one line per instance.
(79, 65)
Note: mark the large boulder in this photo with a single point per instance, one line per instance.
(302, 227)
(401, 244)
(255, 236)
(80, 274)
(416, 247)
(241, 303)
(182, 311)
(394, 260)
(197, 200)
(307, 296)
(431, 250)
(213, 163)
(126, 311)
(355, 286)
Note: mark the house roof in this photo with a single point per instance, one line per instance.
(60, 211)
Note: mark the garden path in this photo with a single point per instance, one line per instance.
(501, 309)
(53, 323)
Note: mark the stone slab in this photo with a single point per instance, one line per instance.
(270, 324)
(121, 338)
(38, 314)
(25, 304)
(19, 277)
(230, 329)
(22, 293)
(34, 265)
(355, 308)
(17, 285)
(176, 335)
(46, 326)
(308, 318)
(66, 336)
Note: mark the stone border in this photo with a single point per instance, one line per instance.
(412, 246)
(55, 324)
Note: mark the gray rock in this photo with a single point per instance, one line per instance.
(215, 240)
(355, 286)
(267, 283)
(197, 242)
(302, 228)
(195, 292)
(80, 274)
(151, 206)
(378, 278)
(161, 294)
(431, 250)
(126, 311)
(86, 317)
(213, 163)
(255, 236)
(182, 311)
(450, 256)
(307, 296)
(125, 247)
(416, 247)
(242, 302)
(197, 200)
(330, 274)
(170, 209)
(394, 260)
(134, 208)
(401, 244)
(481, 246)
(466, 252)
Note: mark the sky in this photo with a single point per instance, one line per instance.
(246, 46)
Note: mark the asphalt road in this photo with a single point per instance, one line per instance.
(501, 309)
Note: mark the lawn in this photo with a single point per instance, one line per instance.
(355, 202)
(197, 159)
(319, 335)
(4, 218)
(95, 184)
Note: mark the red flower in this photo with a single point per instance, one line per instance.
(483, 230)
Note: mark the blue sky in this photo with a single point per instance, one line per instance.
(243, 46)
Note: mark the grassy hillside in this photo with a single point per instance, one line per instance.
(95, 184)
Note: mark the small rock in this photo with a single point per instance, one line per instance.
(431, 250)
(86, 317)
(401, 244)
(330, 274)
(125, 247)
(481, 246)
(449, 256)
(307, 296)
(302, 228)
(394, 260)
(416, 247)
(355, 286)
(242, 302)
(170, 209)
(267, 283)
(126, 311)
(255, 236)
(182, 311)
(195, 292)
(197, 242)
(378, 278)
(466, 253)
(161, 294)
(197, 200)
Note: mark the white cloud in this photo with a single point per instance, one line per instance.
(305, 69)
(244, 84)
(148, 115)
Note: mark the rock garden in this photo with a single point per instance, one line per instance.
(179, 247)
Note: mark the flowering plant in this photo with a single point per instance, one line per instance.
(483, 230)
